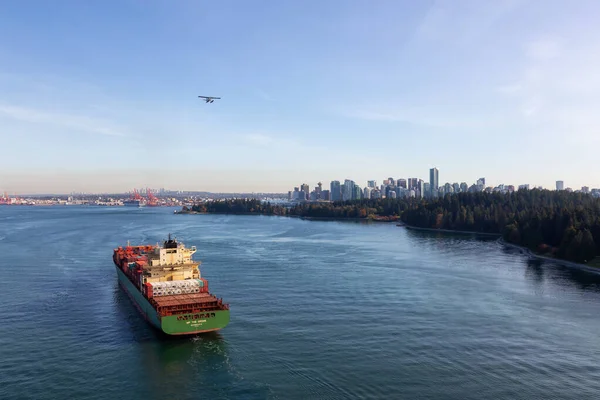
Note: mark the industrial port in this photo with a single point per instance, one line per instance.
(136, 198)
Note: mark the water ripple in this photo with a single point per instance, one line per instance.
(327, 310)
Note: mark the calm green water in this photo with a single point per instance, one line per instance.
(319, 310)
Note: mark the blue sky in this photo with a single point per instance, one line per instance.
(102, 95)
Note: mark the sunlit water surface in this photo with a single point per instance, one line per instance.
(318, 310)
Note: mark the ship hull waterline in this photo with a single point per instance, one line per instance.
(173, 325)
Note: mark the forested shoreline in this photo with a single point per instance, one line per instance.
(556, 223)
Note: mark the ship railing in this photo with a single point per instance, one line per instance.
(189, 306)
(166, 313)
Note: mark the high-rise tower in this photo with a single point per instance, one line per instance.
(434, 179)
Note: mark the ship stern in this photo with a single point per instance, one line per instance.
(191, 324)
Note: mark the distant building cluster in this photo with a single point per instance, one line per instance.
(303, 193)
(144, 197)
(406, 188)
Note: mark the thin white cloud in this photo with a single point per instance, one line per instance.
(558, 88)
(75, 122)
(531, 106)
(544, 49)
(579, 125)
(264, 95)
(258, 139)
(458, 22)
(429, 27)
(278, 143)
(510, 89)
(271, 141)
(419, 116)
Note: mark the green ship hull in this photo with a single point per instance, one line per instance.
(185, 324)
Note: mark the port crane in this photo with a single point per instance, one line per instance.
(136, 195)
(209, 99)
(152, 199)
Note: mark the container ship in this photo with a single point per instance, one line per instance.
(136, 200)
(165, 285)
(134, 203)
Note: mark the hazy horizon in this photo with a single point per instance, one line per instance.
(118, 182)
(102, 97)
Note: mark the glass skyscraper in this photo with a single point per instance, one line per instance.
(434, 179)
(336, 191)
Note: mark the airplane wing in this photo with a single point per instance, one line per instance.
(209, 97)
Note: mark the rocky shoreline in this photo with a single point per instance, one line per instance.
(565, 263)
(447, 230)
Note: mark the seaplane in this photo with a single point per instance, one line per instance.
(209, 99)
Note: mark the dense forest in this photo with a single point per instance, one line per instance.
(238, 206)
(562, 224)
(336, 210)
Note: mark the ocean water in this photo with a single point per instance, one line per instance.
(319, 310)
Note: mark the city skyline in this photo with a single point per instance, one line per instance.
(48, 187)
(394, 187)
(366, 91)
